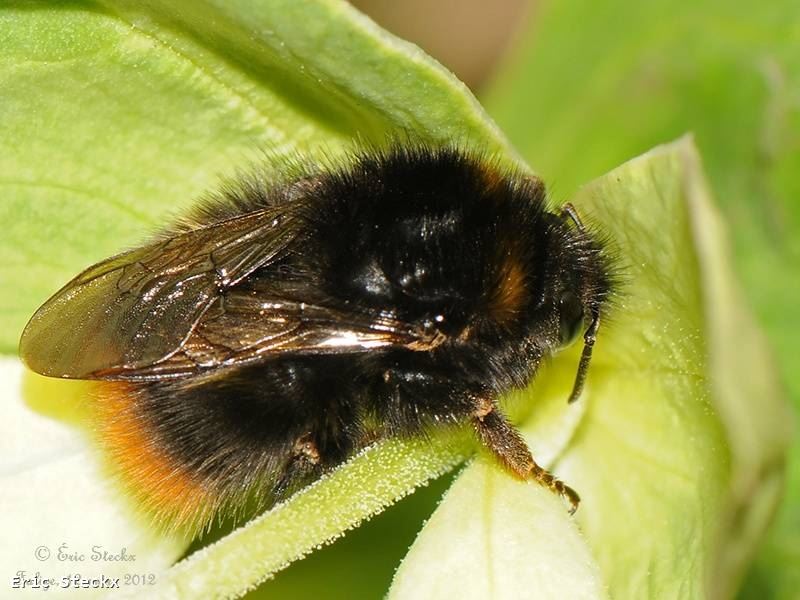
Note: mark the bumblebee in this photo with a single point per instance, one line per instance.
(287, 324)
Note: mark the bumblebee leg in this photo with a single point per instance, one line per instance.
(302, 463)
(505, 442)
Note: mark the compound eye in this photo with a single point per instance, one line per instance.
(570, 313)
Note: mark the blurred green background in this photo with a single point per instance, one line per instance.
(582, 86)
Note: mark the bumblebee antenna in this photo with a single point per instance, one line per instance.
(586, 356)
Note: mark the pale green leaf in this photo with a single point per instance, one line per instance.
(678, 497)
(117, 115)
(494, 537)
(596, 83)
(678, 457)
(59, 513)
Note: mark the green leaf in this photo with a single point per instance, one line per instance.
(116, 116)
(676, 492)
(495, 537)
(664, 466)
(315, 516)
(596, 83)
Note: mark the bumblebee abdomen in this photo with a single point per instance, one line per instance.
(192, 448)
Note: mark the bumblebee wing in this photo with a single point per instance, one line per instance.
(111, 316)
(243, 326)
